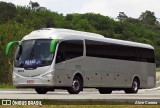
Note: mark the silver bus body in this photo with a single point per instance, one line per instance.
(96, 70)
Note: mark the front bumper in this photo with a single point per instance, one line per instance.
(32, 82)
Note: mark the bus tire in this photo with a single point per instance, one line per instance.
(76, 86)
(41, 90)
(105, 91)
(134, 88)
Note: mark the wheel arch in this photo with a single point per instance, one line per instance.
(136, 77)
(80, 77)
(79, 74)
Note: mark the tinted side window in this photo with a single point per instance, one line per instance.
(95, 49)
(69, 49)
(116, 51)
(109, 50)
(61, 53)
(122, 52)
(146, 55)
(150, 57)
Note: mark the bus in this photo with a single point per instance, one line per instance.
(54, 58)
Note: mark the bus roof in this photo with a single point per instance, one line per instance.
(67, 34)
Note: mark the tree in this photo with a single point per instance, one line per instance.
(132, 20)
(84, 25)
(34, 5)
(69, 17)
(122, 16)
(7, 11)
(148, 17)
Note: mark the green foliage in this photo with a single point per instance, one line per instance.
(148, 17)
(122, 16)
(7, 11)
(6, 86)
(10, 31)
(84, 25)
(20, 21)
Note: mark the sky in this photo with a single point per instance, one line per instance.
(111, 8)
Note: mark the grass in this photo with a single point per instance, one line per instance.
(157, 69)
(2, 85)
(86, 106)
(158, 74)
(82, 104)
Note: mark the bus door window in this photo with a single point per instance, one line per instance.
(61, 53)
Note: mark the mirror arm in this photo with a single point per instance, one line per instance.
(53, 45)
(9, 45)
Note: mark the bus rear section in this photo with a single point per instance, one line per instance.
(112, 66)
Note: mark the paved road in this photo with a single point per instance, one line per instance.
(86, 94)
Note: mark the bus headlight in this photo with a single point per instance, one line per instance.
(48, 75)
(15, 76)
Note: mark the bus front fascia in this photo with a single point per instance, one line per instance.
(53, 45)
(9, 45)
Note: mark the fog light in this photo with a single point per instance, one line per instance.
(15, 76)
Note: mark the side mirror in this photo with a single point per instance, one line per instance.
(53, 45)
(9, 45)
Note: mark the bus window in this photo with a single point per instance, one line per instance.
(95, 49)
(69, 49)
(61, 53)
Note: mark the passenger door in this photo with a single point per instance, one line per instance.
(68, 61)
(60, 66)
(73, 59)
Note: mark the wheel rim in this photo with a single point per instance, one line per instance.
(76, 85)
(135, 86)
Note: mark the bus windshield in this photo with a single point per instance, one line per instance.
(33, 53)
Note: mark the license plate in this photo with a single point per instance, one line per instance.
(30, 82)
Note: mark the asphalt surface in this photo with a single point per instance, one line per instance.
(86, 94)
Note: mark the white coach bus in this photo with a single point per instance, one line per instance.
(50, 58)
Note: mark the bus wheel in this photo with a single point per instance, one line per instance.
(134, 88)
(105, 91)
(41, 90)
(76, 86)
